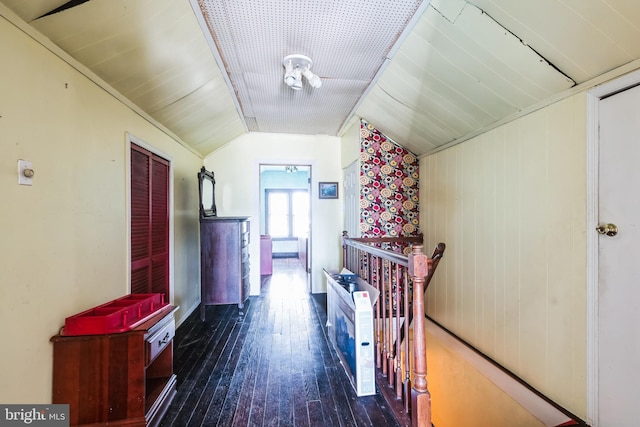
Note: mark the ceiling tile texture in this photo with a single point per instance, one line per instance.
(348, 42)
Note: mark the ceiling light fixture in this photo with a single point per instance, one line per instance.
(296, 66)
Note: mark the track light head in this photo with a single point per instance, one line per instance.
(289, 77)
(296, 66)
(313, 80)
(297, 81)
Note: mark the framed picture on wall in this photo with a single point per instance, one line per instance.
(328, 190)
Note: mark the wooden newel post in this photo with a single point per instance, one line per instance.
(345, 235)
(419, 266)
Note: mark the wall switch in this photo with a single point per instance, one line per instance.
(25, 172)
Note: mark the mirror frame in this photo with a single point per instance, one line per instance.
(202, 176)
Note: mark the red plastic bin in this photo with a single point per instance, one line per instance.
(119, 315)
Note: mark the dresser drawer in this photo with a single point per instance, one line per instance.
(245, 266)
(159, 341)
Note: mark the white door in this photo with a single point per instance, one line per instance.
(619, 261)
(352, 199)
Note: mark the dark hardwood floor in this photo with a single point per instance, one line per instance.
(272, 367)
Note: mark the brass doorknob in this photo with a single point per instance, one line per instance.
(608, 229)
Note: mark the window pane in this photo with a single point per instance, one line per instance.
(278, 220)
(300, 207)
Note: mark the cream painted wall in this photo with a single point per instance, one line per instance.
(510, 205)
(236, 168)
(64, 244)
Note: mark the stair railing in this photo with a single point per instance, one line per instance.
(398, 277)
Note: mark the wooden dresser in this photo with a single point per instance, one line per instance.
(118, 379)
(224, 252)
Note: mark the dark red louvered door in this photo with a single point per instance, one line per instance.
(149, 222)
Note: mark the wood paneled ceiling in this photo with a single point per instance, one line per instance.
(426, 74)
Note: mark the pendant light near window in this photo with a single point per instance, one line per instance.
(298, 66)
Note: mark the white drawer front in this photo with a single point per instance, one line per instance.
(161, 339)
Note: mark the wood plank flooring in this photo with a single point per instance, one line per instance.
(271, 367)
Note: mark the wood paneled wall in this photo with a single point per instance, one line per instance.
(510, 205)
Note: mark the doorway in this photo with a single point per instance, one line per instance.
(285, 218)
(149, 225)
(613, 341)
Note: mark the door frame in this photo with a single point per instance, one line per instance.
(132, 139)
(311, 164)
(592, 175)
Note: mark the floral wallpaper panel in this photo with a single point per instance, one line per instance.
(389, 186)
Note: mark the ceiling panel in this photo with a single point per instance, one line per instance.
(457, 73)
(347, 41)
(583, 38)
(463, 67)
(419, 132)
(32, 9)
(439, 110)
(304, 111)
(154, 53)
(207, 118)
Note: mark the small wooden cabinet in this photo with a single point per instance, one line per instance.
(120, 379)
(224, 266)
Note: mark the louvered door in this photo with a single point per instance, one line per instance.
(149, 222)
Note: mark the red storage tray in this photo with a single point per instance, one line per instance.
(119, 315)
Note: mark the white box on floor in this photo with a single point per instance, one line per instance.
(365, 360)
(350, 329)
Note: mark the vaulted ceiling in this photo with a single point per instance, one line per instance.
(425, 74)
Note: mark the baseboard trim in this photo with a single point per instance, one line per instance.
(187, 313)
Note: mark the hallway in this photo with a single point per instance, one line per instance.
(274, 367)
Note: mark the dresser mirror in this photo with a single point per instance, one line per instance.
(207, 185)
